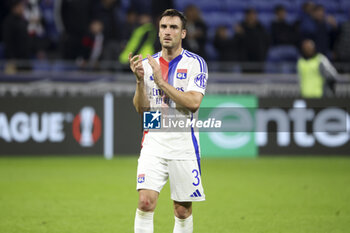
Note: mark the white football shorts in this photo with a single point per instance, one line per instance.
(184, 177)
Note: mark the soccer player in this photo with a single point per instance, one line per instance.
(173, 78)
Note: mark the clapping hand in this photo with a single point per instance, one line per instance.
(136, 66)
(157, 74)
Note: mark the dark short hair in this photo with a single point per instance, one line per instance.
(319, 7)
(279, 8)
(249, 11)
(13, 3)
(174, 13)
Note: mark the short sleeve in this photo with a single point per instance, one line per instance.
(198, 76)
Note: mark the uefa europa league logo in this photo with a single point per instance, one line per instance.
(87, 116)
(87, 127)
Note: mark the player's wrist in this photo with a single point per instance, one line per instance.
(139, 80)
(159, 81)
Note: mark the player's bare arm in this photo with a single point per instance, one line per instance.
(140, 100)
(190, 100)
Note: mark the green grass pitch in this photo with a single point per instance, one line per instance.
(92, 195)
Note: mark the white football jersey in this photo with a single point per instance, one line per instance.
(186, 72)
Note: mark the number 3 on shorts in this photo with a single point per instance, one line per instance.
(196, 176)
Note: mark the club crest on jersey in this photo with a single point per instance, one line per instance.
(181, 73)
(141, 178)
(201, 80)
(151, 77)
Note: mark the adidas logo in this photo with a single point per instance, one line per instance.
(196, 194)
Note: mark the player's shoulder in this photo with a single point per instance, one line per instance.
(195, 59)
(192, 55)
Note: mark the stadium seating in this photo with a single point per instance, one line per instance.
(230, 12)
(211, 52)
(262, 6)
(59, 66)
(266, 19)
(215, 13)
(344, 6)
(41, 65)
(281, 59)
(330, 6)
(235, 6)
(215, 19)
(211, 5)
(341, 18)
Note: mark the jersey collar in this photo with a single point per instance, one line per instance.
(177, 59)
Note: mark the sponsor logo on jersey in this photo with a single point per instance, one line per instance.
(157, 92)
(151, 120)
(201, 80)
(141, 178)
(181, 74)
(87, 127)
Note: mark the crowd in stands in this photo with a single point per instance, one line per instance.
(90, 31)
(253, 41)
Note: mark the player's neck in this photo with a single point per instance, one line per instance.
(170, 54)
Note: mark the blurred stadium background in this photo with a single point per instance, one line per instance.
(70, 137)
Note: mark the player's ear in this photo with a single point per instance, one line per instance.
(183, 34)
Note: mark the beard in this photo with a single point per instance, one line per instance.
(167, 45)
